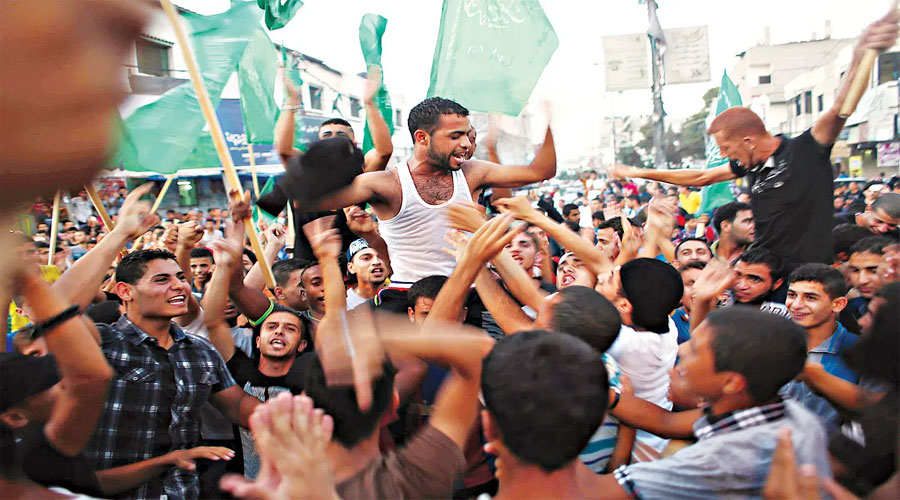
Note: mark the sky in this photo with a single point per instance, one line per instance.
(573, 81)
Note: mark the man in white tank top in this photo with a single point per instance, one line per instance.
(410, 201)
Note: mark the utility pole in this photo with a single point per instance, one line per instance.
(656, 64)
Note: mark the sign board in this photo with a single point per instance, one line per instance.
(856, 165)
(627, 62)
(687, 55)
(889, 154)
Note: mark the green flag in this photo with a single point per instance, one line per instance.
(719, 194)
(165, 133)
(279, 12)
(490, 54)
(256, 81)
(371, 29)
(257, 213)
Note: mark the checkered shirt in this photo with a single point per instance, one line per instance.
(154, 403)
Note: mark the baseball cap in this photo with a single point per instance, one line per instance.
(356, 247)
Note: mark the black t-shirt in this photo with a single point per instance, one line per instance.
(246, 373)
(792, 200)
(867, 446)
(45, 465)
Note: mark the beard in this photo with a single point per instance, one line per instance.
(439, 160)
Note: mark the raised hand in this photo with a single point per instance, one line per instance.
(631, 241)
(715, 278)
(619, 172)
(490, 239)
(359, 221)
(227, 253)
(465, 216)
(457, 242)
(373, 83)
(238, 207)
(184, 459)
(661, 214)
(881, 34)
(326, 245)
(276, 234)
(519, 206)
(134, 217)
(170, 238)
(189, 234)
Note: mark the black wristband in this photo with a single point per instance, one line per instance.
(615, 400)
(45, 326)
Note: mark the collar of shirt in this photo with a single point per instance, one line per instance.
(708, 425)
(832, 345)
(136, 335)
(770, 161)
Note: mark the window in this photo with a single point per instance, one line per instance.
(888, 67)
(821, 100)
(398, 118)
(798, 110)
(355, 107)
(807, 102)
(152, 57)
(765, 79)
(315, 97)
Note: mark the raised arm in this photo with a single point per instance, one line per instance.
(542, 167)
(517, 281)
(362, 225)
(837, 390)
(79, 284)
(879, 36)
(189, 235)
(276, 237)
(228, 256)
(364, 188)
(508, 315)
(83, 369)
(252, 302)
(284, 127)
(715, 278)
(683, 177)
(377, 158)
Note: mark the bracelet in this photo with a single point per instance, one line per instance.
(615, 400)
(297, 107)
(45, 326)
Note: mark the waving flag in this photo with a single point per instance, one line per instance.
(718, 194)
(279, 12)
(371, 29)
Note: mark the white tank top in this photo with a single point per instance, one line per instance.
(415, 236)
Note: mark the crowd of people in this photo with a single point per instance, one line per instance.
(433, 334)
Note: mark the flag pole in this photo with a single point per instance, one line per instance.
(98, 206)
(215, 131)
(162, 193)
(861, 78)
(253, 169)
(54, 229)
(290, 224)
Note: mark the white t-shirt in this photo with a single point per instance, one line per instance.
(646, 357)
(354, 299)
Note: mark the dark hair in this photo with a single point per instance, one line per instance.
(727, 213)
(104, 312)
(759, 255)
(615, 223)
(871, 244)
(350, 424)
(426, 287)
(692, 238)
(634, 197)
(654, 289)
(598, 215)
(831, 279)
(768, 350)
(250, 255)
(875, 354)
(532, 382)
(305, 329)
(694, 264)
(846, 235)
(889, 203)
(336, 121)
(426, 115)
(283, 269)
(585, 314)
(568, 208)
(133, 266)
(203, 253)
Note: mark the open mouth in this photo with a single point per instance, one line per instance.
(458, 158)
(278, 343)
(377, 271)
(798, 316)
(567, 280)
(178, 300)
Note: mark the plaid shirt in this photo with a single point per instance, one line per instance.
(154, 403)
(708, 426)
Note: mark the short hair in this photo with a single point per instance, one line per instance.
(586, 314)
(831, 279)
(104, 312)
(737, 121)
(634, 197)
(598, 215)
(351, 425)
(694, 264)
(283, 269)
(535, 381)
(615, 223)
(250, 255)
(875, 354)
(692, 238)
(568, 207)
(767, 349)
(760, 255)
(336, 121)
(889, 203)
(305, 330)
(426, 115)
(871, 244)
(202, 253)
(846, 235)
(654, 289)
(133, 266)
(727, 213)
(426, 287)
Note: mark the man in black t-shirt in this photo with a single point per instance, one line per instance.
(790, 179)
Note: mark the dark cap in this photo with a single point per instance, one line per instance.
(24, 376)
(654, 289)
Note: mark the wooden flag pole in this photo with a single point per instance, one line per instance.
(861, 78)
(54, 229)
(98, 206)
(253, 169)
(218, 137)
(291, 237)
(162, 193)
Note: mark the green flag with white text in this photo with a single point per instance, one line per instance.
(257, 71)
(719, 194)
(371, 29)
(257, 213)
(490, 54)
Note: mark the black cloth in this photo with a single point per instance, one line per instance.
(44, 464)
(327, 166)
(246, 371)
(24, 376)
(867, 446)
(792, 200)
